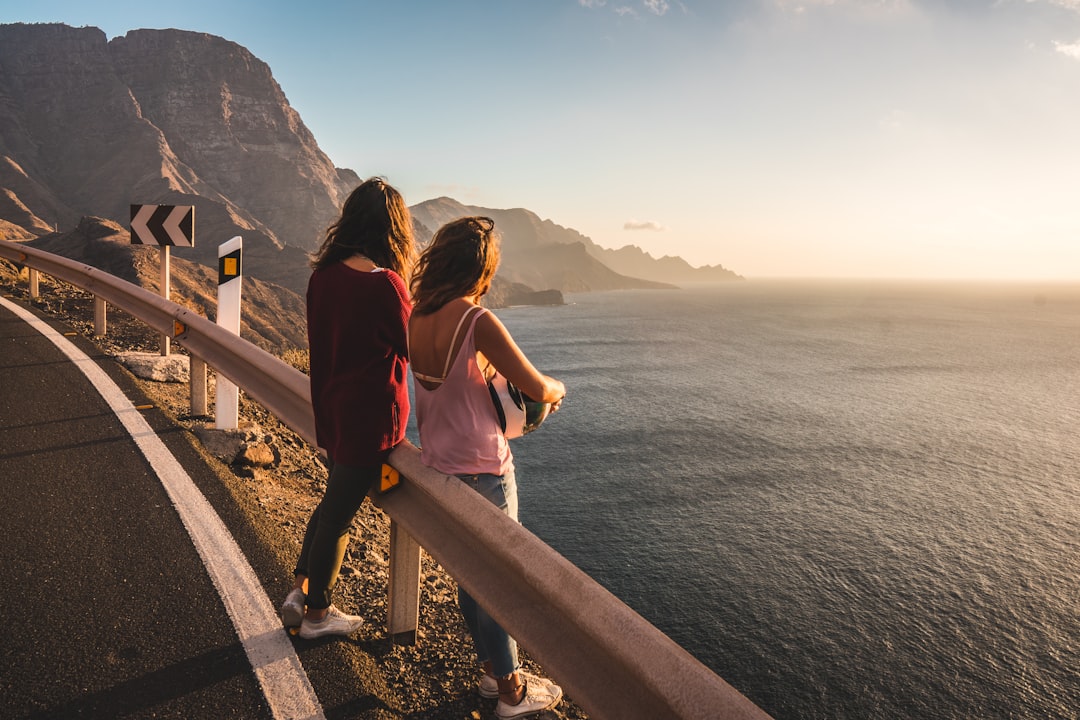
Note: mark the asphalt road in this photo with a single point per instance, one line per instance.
(108, 609)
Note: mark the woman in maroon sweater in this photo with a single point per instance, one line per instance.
(357, 312)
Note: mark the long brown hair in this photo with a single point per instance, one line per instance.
(374, 222)
(459, 262)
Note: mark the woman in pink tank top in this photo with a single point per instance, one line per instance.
(454, 347)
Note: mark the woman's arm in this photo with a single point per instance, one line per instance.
(496, 344)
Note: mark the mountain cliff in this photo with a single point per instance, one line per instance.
(90, 126)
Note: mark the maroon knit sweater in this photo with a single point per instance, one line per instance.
(356, 325)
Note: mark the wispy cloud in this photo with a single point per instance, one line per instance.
(866, 8)
(1070, 49)
(643, 225)
(656, 7)
(1067, 4)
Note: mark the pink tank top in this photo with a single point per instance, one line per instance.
(459, 430)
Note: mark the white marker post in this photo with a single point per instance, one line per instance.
(227, 403)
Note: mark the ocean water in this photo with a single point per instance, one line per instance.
(850, 500)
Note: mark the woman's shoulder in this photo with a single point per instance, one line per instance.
(485, 317)
(396, 282)
(391, 275)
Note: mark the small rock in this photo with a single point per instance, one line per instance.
(156, 367)
(222, 444)
(256, 454)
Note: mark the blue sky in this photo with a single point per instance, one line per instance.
(824, 138)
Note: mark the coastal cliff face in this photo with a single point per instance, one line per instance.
(536, 253)
(542, 254)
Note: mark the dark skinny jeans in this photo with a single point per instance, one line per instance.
(327, 534)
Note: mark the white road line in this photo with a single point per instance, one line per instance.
(286, 686)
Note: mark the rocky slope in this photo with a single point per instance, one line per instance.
(272, 317)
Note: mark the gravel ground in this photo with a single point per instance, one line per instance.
(434, 679)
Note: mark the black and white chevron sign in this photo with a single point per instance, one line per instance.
(163, 225)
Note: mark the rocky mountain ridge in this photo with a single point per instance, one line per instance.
(90, 126)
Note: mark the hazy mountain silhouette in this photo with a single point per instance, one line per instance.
(536, 252)
(524, 233)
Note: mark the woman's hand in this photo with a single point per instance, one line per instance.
(557, 404)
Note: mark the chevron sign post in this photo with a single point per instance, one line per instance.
(164, 226)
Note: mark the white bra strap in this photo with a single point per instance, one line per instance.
(453, 341)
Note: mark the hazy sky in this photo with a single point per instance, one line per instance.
(825, 138)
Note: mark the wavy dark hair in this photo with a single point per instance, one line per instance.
(374, 222)
(460, 261)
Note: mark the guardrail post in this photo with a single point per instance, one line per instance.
(100, 323)
(197, 381)
(165, 292)
(403, 588)
(33, 277)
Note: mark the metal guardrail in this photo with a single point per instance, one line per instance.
(611, 661)
(276, 385)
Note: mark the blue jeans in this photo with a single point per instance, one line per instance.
(492, 643)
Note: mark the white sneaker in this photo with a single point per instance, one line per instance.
(489, 687)
(292, 610)
(538, 698)
(335, 623)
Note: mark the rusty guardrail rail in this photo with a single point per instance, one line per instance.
(613, 662)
